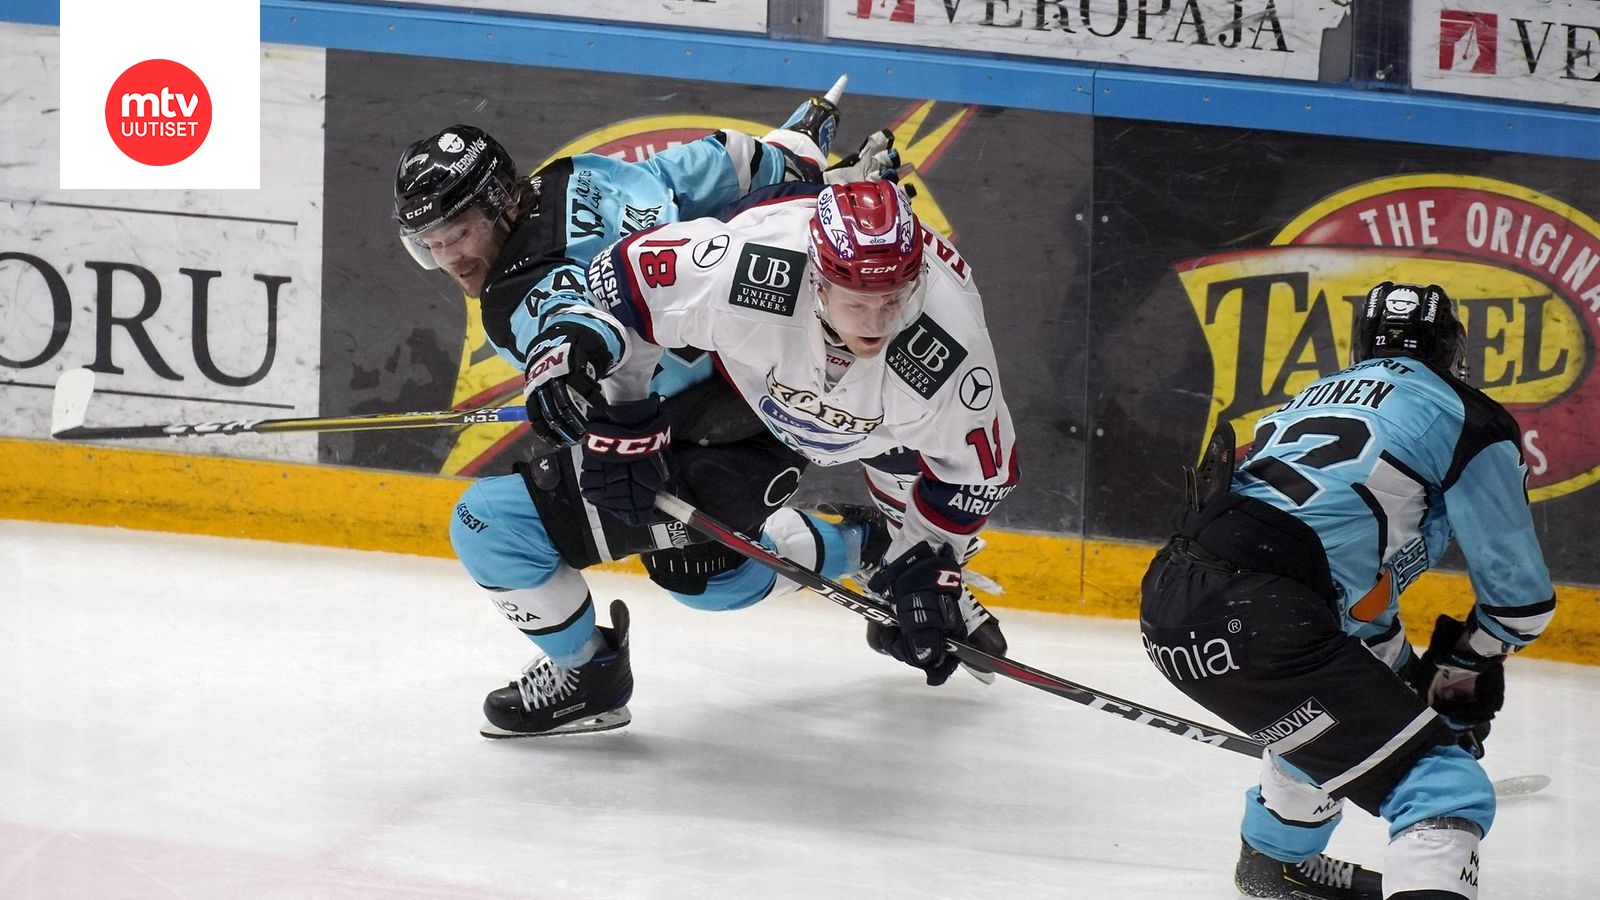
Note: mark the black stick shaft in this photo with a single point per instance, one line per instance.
(874, 610)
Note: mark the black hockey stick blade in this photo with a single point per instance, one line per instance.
(75, 388)
(874, 610)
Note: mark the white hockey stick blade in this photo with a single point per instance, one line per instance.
(837, 91)
(983, 582)
(71, 403)
(1521, 785)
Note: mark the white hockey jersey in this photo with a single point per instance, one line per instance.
(743, 291)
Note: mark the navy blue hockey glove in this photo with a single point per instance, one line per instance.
(625, 460)
(924, 588)
(876, 160)
(1465, 688)
(562, 379)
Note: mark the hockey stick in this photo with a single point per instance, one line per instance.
(869, 608)
(875, 610)
(75, 388)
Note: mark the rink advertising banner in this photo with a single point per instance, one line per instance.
(724, 15)
(160, 94)
(1241, 259)
(1523, 267)
(1267, 38)
(397, 337)
(191, 305)
(1541, 51)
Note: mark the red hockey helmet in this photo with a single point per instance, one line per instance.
(866, 246)
(864, 236)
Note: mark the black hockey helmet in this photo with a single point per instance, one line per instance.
(443, 175)
(1411, 320)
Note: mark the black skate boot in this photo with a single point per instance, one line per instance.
(549, 699)
(1318, 878)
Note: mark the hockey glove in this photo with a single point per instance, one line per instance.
(924, 589)
(1465, 688)
(561, 381)
(625, 460)
(877, 160)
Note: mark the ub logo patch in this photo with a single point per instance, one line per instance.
(768, 279)
(924, 356)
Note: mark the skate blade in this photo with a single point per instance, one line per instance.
(606, 721)
(985, 677)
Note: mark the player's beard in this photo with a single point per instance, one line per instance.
(469, 274)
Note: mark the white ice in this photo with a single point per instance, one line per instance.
(187, 717)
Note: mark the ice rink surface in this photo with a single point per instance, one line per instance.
(187, 717)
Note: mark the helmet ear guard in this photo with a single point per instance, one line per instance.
(1413, 321)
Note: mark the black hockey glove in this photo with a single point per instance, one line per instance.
(625, 460)
(1465, 688)
(564, 370)
(876, 160)
(924, 588)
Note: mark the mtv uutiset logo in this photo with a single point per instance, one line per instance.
(158, 112)
(147, 103)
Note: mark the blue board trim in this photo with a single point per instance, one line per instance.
(1155, 95)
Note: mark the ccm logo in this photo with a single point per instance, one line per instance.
(639, 446)
(876, 270)
(949, 578)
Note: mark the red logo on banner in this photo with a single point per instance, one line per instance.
(1467, 41)
(158, 112)
(904, 10)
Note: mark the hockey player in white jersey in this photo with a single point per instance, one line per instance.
(857, 335)
(519, 246)
(1276, 607)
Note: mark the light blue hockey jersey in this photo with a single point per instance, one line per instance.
(1386, 461)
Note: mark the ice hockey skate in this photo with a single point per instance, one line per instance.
(549, 699)
(1318, 878)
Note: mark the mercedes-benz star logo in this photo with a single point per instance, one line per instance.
(977, 387)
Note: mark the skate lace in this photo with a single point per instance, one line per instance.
(543, 683)
(1326, 870)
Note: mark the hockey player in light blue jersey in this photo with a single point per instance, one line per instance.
(1275, 606)
(520, 246)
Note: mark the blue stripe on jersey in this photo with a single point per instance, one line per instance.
(771, 194)
(951, 507)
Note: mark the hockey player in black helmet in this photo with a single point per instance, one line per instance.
(520, 246)
(456, 197)
(1275, 606)
(1408, 320)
